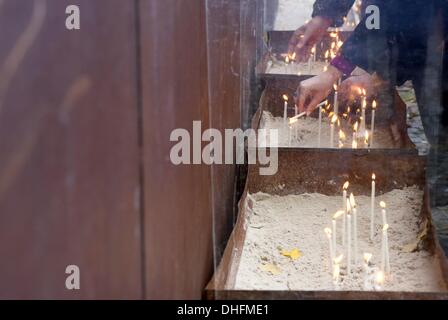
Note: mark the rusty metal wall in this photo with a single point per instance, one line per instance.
(68, 150)
(85, 122)
(177, 199)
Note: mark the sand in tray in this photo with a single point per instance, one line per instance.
(280, 67)
(307, 134)
(298, 221)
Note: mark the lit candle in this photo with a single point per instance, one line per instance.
(320, 127)
(330, 242)
(335, 218)
(355, 135)
(383, 212)
(344, 208)
(372, 208)
(367, 258)
(285, 110)
(379, 280)
(341, 139)
(313, 51)
(336, 102)
(337, 270)
(349, 238)
(362, 129)
(385, 263)
(366, 142)
(355, 227)
(372, 125)
(286, 64)
(292, 121)
(334, 119)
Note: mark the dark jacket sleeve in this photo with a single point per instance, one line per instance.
(335, 10)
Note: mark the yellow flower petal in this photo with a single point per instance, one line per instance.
(272, 269)
(294, 254)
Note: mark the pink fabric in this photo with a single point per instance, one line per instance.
(343, 65)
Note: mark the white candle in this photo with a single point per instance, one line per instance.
(337, 270)
(355, 227)
(320, 127)
(335, 218)
(313, 51)
(344, 208)
(367, 258)
(290, 135)
(372, 125)
(385, 263)
(341, 139)
(383, 212)
(336, 275)
(372, 208)
(334, 119)
(379, 280)
(330, 243)
(336, 102)
(362, 128)
(349, 243)
(286, 64)
(285, 109)
(355, 135)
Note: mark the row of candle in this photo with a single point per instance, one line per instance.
(350, 235)
(361, 134)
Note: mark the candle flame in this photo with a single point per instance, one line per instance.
(355, 145)
(328, 231)
(336, 272)
(285, 97)
(359, 91)
(383, 204)
(335, 87)
(287, 60)
(338, 215)
(374, 104)
(333, 34)
(340, 43)
(349, 206)
(334, 119)
(363, 92)
(355, 127)
(333, 45)
(293, 56)
(339, 259)
(385, 227)
(342, 135)
(367, 137)
(313, 50)
(346, 185)
(373, 177)
(367, 257)
(325, 68)
(352, 200)
(379, 277)
(327, 54)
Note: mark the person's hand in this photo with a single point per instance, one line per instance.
(350, 89)
(306, 37)
(314, 90)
